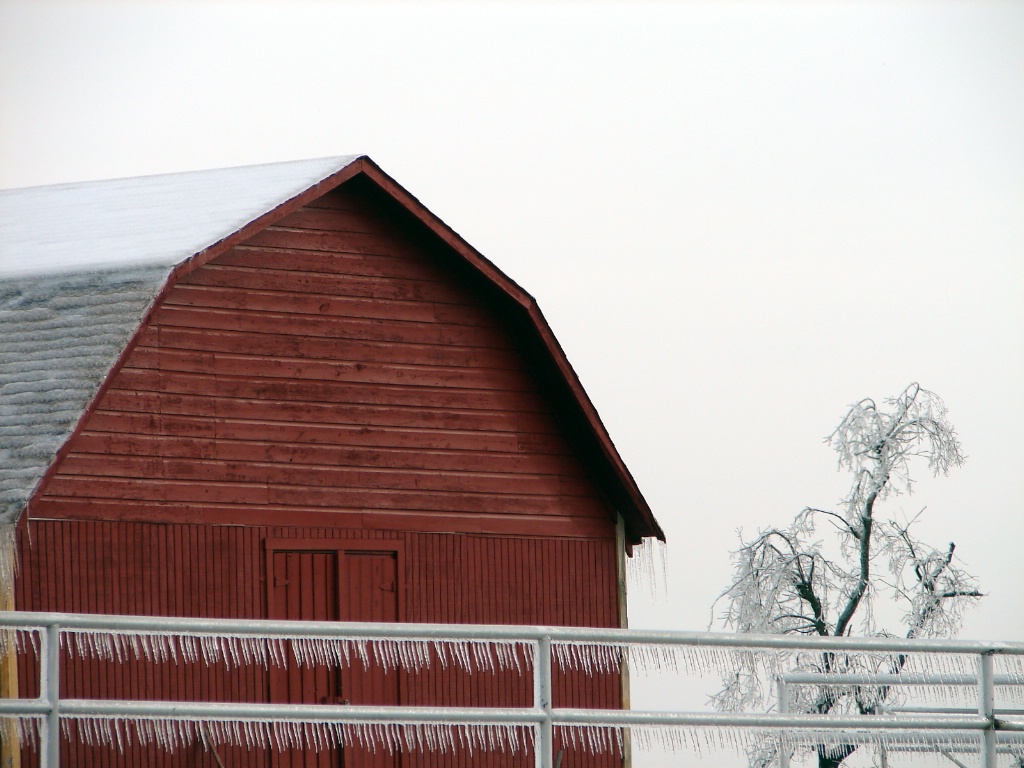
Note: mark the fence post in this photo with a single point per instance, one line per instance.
(986, 708)
(542, 700)
(49, 690)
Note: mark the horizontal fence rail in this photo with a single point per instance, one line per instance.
(544, 646)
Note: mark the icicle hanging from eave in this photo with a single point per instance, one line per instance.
(411, 655)
(647, 568)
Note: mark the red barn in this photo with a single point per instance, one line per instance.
(290, 391)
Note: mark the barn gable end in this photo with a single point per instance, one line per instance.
(336, 366)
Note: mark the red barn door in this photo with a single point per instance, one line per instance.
(332, 581)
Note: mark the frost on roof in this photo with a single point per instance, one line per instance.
(59, 336)
(157, 220)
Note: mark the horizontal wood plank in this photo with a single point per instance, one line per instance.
(334, 263)
(349, 478)
(323, 305)
(283, 303)
(352, 499)
(335, 220)
(121, 422)
(153, 380)
(385, 329)
(329, 242)
(329, 413)
(300, 454)
(295, 346)
(343, 198)
(355, 286)
(317, 370)
(540, 527)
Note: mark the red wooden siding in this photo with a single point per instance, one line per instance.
(337, 377)
(331, 364)
(218, 571)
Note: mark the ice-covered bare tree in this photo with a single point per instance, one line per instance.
(789, 581)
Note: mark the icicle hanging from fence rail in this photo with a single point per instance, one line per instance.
(804, 697)
(1010, 695)
(805, 740)
(657, 657)
(697, 660)
(18, 639)
(24, 730)
(174, 734)
(412, 655)
(703, 740)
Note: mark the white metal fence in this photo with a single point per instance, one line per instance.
(246, 640)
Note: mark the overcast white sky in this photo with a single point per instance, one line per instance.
(737, 217)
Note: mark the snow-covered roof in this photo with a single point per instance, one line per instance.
(161, 219)
(80, 264)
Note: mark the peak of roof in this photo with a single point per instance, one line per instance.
(145, 220)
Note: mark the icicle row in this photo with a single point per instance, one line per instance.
(702, 740)
(21, 730)
(593, 739)
(942, 694)
(415, 655)
(412, 655)
(445, 738)
(594, 658)
(18, 639)
(1012, 695)
(172, 735)
(796, 740)
(647, 568)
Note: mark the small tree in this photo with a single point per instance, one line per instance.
(785, 583)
